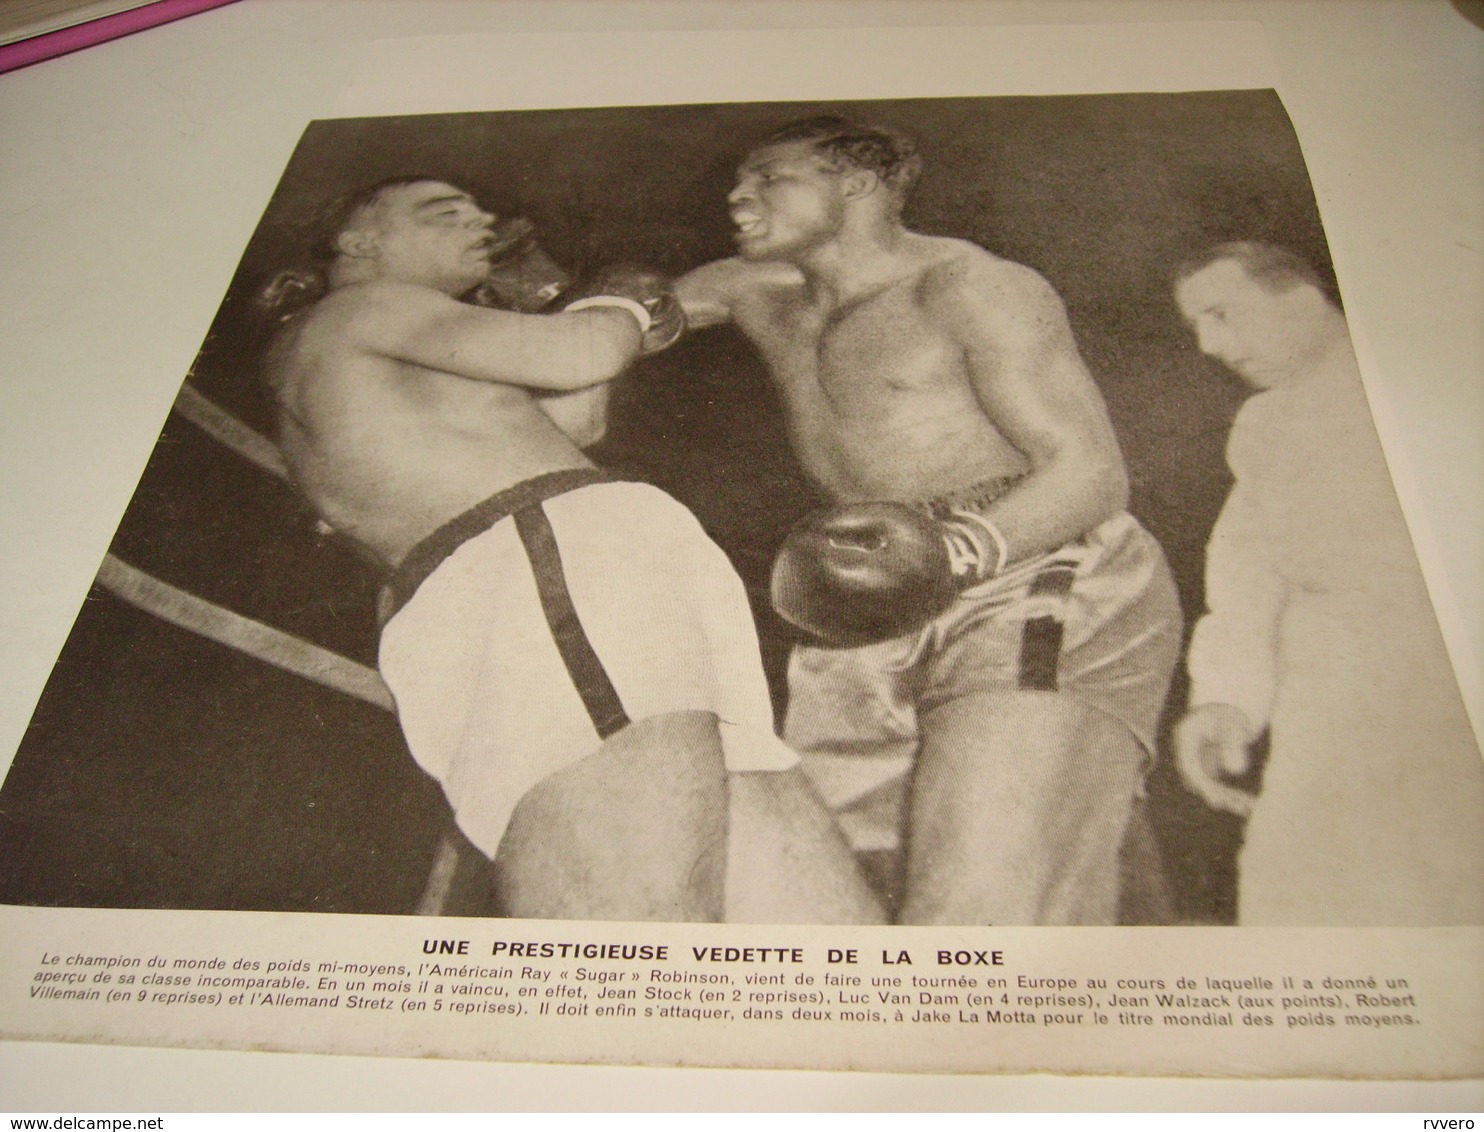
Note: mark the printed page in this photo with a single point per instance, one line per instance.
(393, 726)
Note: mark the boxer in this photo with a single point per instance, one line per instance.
(992, 726)
(571, 658)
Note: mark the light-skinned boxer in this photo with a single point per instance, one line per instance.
(571, 658)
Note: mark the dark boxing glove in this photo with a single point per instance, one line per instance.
(862, 573)
(866, 572)
(643, 293)
(522, 276)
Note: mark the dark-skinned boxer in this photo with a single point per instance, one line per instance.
(996, 746)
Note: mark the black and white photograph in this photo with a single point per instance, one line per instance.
(983, 404)
(669, 583)
(938, 511)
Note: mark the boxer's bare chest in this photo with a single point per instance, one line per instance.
(387, 451)
(868, 358)
(879, 398)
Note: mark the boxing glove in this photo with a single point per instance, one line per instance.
(522, 276)
(644, 293)
(977, 551)
(862, 573)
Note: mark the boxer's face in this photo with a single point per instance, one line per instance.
(1261, 335)
(787, 200)
(426, 232)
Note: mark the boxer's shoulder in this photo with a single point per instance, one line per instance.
(953, 267)
(965, 285)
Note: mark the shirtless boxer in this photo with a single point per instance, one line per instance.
(571, 658)
(995, 726)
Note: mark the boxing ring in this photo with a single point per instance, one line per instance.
(444, 890)
(255, 639)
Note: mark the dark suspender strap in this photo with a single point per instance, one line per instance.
(429, 554)
(1041, 638)
(589, 677)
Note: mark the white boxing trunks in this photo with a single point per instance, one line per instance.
(547, 618)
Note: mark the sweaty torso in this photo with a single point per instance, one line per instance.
(387, 451)
(879, 399)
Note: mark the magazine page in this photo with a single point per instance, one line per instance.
(708, 579)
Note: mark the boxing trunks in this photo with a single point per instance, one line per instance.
(548, 617)
(1097, 620)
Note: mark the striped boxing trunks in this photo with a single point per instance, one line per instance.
(1097, 620)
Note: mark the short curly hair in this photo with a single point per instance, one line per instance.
(846, 144)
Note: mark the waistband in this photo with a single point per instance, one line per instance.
(430, 553)
(976, 497)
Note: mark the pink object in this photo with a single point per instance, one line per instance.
(27, 51)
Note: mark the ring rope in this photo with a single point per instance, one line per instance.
(278, 648)
(446, 858)
(228, 431)
(257, 640)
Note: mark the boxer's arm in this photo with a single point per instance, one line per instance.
(722, 291)
(1031, 382)
(787, 862)
(417, 325)
(582, 414)
(706, 294)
